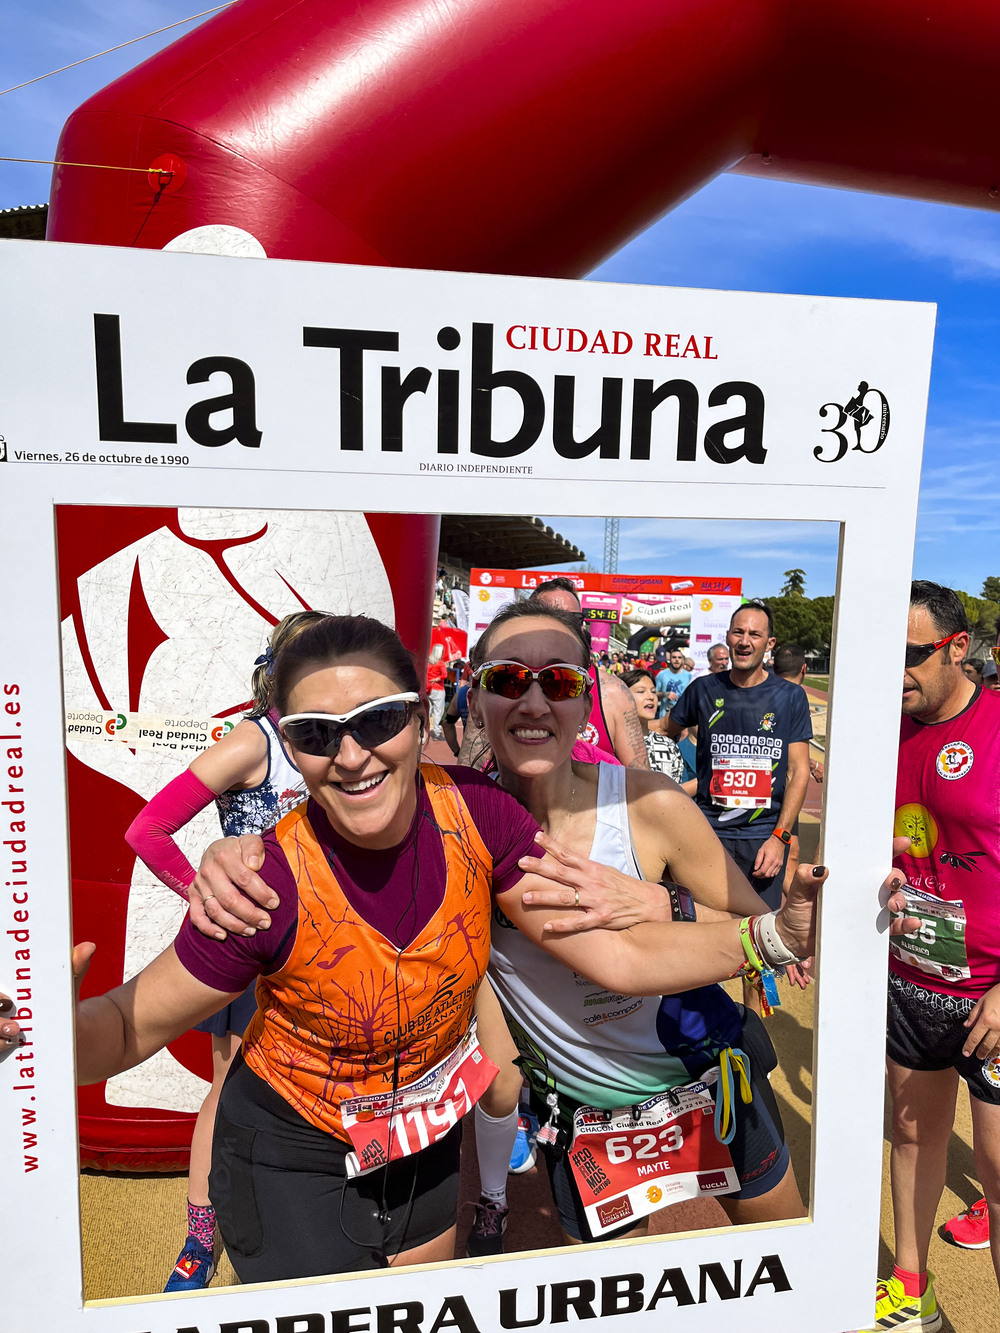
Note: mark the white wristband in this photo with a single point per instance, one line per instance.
(770, 945)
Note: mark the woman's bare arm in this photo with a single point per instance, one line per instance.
(238, 760)
(119, 1030)
(673, 837)
(653, 958)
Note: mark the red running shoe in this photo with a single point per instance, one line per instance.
(970, 1229)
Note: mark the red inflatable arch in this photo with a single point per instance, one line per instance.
(530, 136)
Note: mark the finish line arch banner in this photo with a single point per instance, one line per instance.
(202, 386)
(702, 605)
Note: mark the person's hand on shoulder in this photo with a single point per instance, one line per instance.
(227, 894)
(603, 898)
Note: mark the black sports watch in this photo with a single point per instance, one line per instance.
(681, 903)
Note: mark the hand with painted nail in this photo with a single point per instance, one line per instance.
(890, 894)
(796, 922)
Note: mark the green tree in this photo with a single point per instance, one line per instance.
(991, 589)
(982, 616)
(807, 621)
(795, 583)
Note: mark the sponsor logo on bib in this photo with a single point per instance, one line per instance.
(614, 1211)
(712, 1180)
(954, 760)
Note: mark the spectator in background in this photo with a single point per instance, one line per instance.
(973, 669)
(689, 664)
(718, 658)
(790, 663)
(664, 756)
(672, 681)
(990, 680)
(437, 675)
(458, 708)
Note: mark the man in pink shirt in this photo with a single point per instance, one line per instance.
(944, 978)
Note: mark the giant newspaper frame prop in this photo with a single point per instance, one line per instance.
(825, 403)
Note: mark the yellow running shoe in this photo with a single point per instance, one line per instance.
(894, 1310)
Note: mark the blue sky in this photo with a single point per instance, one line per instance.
(737, 233)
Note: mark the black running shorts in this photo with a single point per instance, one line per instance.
(285, 1206)
(925, 1031)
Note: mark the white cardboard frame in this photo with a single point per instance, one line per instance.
(803, 352)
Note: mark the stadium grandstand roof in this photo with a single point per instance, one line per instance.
(24, 223)
(503, 541)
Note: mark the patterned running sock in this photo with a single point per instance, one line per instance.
(914, 1284)
(201, 1223)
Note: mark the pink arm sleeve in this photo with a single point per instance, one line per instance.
(149, 835)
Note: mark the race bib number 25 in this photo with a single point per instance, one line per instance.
(937, 947)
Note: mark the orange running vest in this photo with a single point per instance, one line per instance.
(328, 1021)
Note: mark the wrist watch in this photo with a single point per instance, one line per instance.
(782, 835)
(681, 903)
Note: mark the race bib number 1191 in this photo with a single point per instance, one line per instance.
(386, 1126)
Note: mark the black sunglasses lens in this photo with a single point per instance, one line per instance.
(917, 653)
(315, 735)
(381, 724)
(322, 736)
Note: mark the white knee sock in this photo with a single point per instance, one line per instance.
(494, 1145)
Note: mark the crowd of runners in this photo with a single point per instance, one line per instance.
(382, 945)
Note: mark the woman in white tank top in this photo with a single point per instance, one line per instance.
(581, 1044)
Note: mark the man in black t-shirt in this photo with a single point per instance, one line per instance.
(753, 751)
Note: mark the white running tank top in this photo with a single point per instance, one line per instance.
(590, 1045)
(255, 809)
